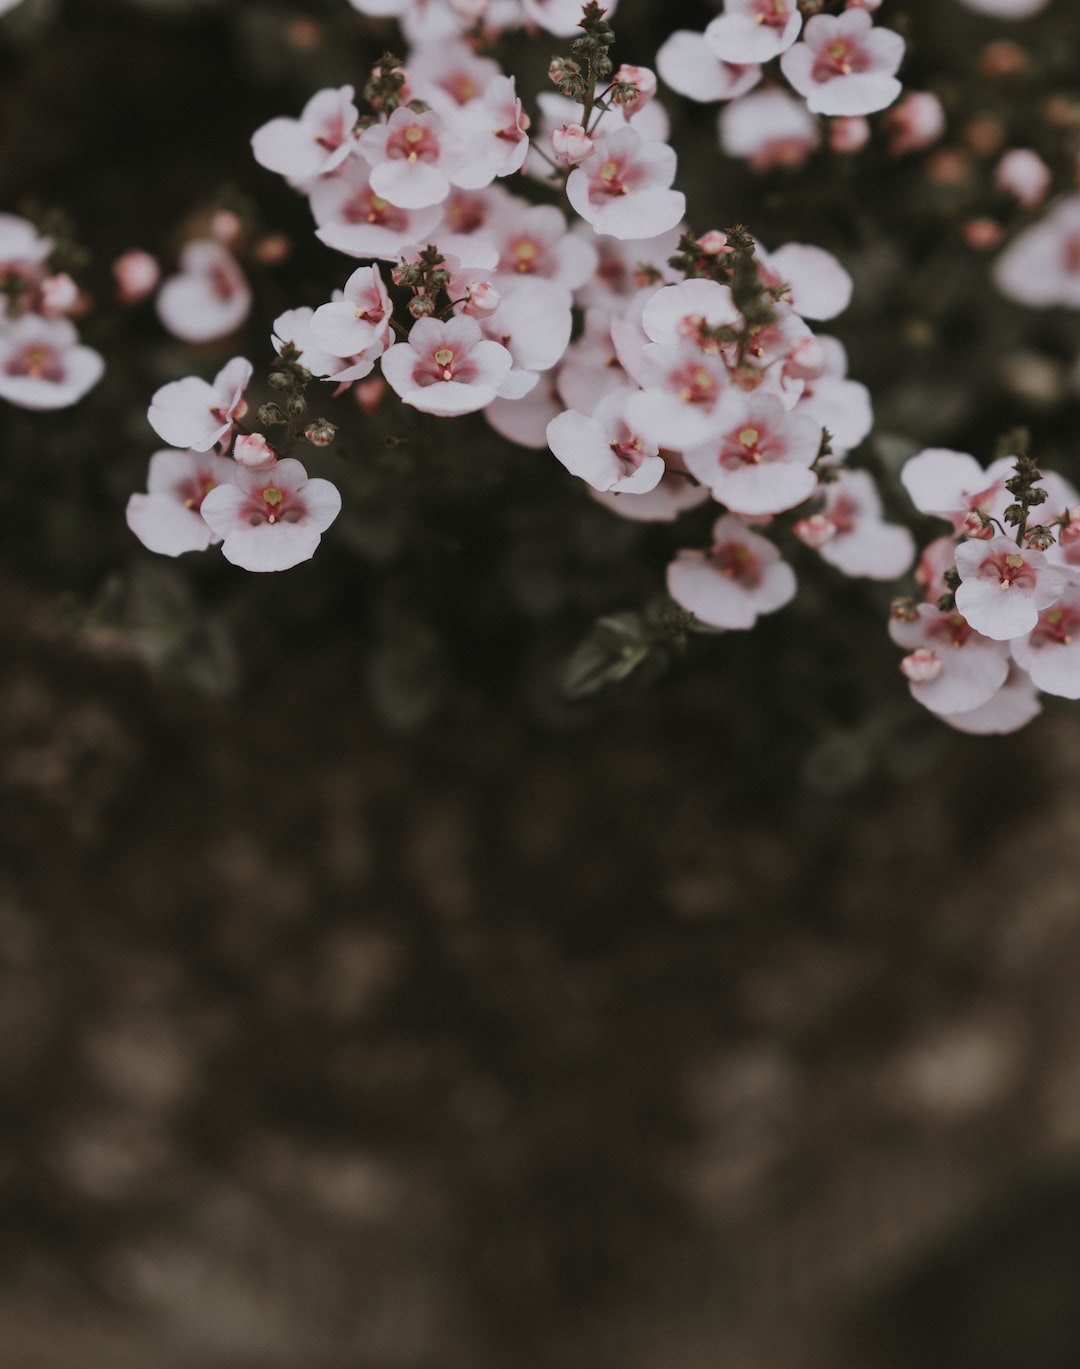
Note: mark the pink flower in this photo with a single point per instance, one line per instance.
(271, 519)
(952, 484)
(294, 326)
(168, 519)
(835, 402)
(137, 274)
(560, 17)
(360, 321)
(353, 219)
(689, 66)
(193, 413)
(533, 323)
(848, 135)
(762, 464)
(951, 668)
(769, 128)
(603, 450)
(740, 577)
(622, 189)
(1004, 588)
(1007, 9)
(1014, 705)
(411, 157)
(446, 368)
(43, 365)
(59, 296)
(754, 30)
(493, 137)
(23, 253)
(673, 496)
(1051, 654)
(862, 543)
(1041, 267)
(313, 145)
(532, 241)
(815, 283)
(209, 299)
(845, 65)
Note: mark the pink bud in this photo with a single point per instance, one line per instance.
(273, 249)
(369, 394)
(982, 234)
(1070, 530)
(59, 295)
(137, 274)
(1024, 175)
(226, 227)
(643, 81)
(714, 242)
(916, 122)
(571, 144)
(978, 527)
(815, 531)
(481, 299)
(253, 450)
(921, 666)
(849, 134)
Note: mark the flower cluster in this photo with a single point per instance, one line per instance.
(1000, 613)
(43, 365)
(838, 65)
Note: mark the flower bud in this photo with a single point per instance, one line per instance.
(1003, 58)
(270, 414)
(225, 225)
(639, 83)
(1070, 529)
(59, 295)
(976, 525)
(849, 134)
(481, 299)
(1024, 175)
(137, 274)
(273, 249)
(904, 610)
(815, 531)
(421, 306)
(982, 234)
(1039, 539)
(369, 394)
(253, 450)
(713, 243)
(565, 73)
(296, 406)
(320, 433)
(922, 666)
(916, 122)
(571, 144)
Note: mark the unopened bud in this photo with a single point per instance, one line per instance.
(296, 406)
(815, 531)
(567, 75)
(849, 134)
(273, 249)
(421, 306)
(571, 144)
(369, 394)
(1039, 539)
(1024, 175)
(59, 295)
(904, 610)
(481, 299)
(714, 242)
(320, 433)
(225, 225)
(270, 414)
(636, 87)
(279, 380)
(1070, 529)
(137, 274)
(253, 450)
(977, 526)
(922, 666)
(982, 234)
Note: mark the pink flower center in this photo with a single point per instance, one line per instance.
(272, 504)
(1071, 253)
(615, 177)
(1058, 626)
(738, 563)
(193, 492)
(953, 627)
(696, 385)
(773, 14)
(445, 365)
(839, 58)
(39, 361)
(367, 207)
(1010, 570)
(629, 449)
(524, 253)
(412, 144)
(843, 515)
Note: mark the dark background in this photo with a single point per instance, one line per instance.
(365, 1001)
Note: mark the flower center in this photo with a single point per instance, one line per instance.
(39, 361)
(738, 563)
(272, 497)
(525, 254)
(443, 359)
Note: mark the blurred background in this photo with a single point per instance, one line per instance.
(370, 998)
